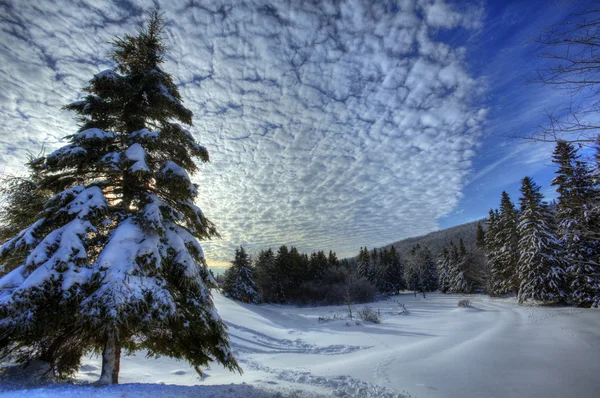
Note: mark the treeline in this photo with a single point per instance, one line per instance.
(288, 276)
(460, 270)
(544, 255)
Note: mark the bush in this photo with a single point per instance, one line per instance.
(464, 303)
(368, 314)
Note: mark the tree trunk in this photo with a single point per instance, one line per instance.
(111, 359)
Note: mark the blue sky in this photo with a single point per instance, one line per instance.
(330, 125)
(502, 57)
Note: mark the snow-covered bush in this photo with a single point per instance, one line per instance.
(464, 303)
(368, 314)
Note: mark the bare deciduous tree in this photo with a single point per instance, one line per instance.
(572, 49)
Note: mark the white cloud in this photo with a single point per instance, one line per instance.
(329, 126)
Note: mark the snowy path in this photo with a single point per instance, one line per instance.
(495, 349)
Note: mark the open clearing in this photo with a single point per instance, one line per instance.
(492, 349)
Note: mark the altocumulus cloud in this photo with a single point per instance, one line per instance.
(330, 124)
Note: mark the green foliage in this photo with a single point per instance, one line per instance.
(113, 259)
(420, 273)
(540, 267)
(239, 281)
(502, 247)
(578, 222)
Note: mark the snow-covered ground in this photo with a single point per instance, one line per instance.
(494, 349)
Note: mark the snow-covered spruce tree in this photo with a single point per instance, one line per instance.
(503, 272)
(389, 274)
(239, 282)
(363, 264)
(462, 274)
(480, 237)
(22, 204)
(420, 273)
(443, 270)
(491, 249)
(114, 261)
(578, 224)
(540, 268)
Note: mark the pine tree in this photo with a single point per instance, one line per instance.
(578, 224)
(114, 259)
(267, 277)
(491, 249)
(480, 236)
(318, 265)
(462, 275)
(540, 269)
(283, 272)
(332, 260)
(22, 204)
(444, 270)
(420, 273)
(363, 265)
(239, 283)
(503, 274)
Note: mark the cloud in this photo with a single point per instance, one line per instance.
(330, 125)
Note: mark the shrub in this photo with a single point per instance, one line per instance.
(368, 314)
(464, 303)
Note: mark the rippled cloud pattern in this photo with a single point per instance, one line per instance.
(331, 125)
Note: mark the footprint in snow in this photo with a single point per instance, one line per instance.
(178, 372)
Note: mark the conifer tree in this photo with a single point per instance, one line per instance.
(22, 204)
(503, 274)
(491, 250)
(480, 236)
(239, 281)
(363, 265)
(332, 260)
(114, 259)
(420, 273)
(444, 270)
(318, 265)
(540, 269)
(578, 224)
(267, 277)
(462, 274)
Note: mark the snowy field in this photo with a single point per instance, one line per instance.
(493, 349)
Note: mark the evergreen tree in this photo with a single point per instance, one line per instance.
(420, 273)
(372, 272)
(390, 272)
(332, 260)
(22, 204)
(480, 237)
(503, 274)
(540, 269)
(578, 224)
(239, 281)
(318, 265)
(491, 249)
(462, 274)
(283, 271)
(113, 260)
(267, 277)
(363, 265)
(444, 270)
